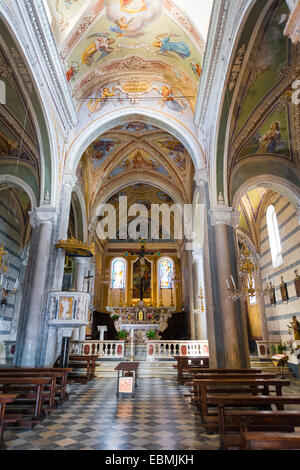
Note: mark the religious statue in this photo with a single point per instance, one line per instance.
(295, 327)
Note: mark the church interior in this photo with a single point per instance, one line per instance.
(149, 225)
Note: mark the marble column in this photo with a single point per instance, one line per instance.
(42, 219)
(198, 283)
(261, 306)
(66, 196)
(192, 326)
(236, 349)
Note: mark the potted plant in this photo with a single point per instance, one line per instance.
(151, 334)
(115, 317)
(122, 335)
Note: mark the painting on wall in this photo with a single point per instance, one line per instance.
(136, 279)
(7, 146)
(271, 139)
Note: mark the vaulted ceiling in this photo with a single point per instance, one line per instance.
(128, 52)
(135, 153)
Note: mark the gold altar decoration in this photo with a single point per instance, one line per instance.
(77, 249)
(4, 264)
(247, 268)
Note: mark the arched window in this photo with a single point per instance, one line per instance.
(118, 274)
(2, 92)
(274, 237)
(165, 273)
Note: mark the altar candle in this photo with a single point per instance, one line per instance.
(233, 283)
(16, 284)
(228, 286)
(1, 280)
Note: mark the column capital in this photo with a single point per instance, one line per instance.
(197, 255)
(201, 176)
(70, 179)
(224, 215)
(41, 215)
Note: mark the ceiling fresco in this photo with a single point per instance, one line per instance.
(130, 52)
(138, 149)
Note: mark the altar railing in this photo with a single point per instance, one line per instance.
(267, 349)
(104, 349)
(168, 349)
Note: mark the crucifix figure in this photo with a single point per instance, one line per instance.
(143, 276)
(88, 278)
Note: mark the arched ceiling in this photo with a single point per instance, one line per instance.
(131, 52)
(258, 131)
(136, 152)
(251, 208)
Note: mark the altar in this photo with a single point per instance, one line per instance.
(138, 322)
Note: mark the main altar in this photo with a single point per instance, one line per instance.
(142, 319)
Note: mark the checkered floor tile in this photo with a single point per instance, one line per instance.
(159, 417)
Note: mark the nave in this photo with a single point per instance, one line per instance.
(159, 417)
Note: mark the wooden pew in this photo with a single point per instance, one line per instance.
(83, 362)
(244, 401)
(222, 385)
(31, 391)
(189, 380)
(190, 369)
(270, 441)
(62, 384)
(4, 399)
(184, 361)
(55, 389)
(238, 421)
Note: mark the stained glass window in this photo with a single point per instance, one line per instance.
(165, 273)
(118, 273)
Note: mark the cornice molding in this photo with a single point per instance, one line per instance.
(51, 62)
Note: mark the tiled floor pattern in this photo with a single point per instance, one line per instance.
(159, 417)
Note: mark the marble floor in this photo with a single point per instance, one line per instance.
(159, 417)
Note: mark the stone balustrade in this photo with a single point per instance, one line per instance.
(157, 350)
(266, 349)
(104, 349)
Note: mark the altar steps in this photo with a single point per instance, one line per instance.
(267, 366)
(159, 369)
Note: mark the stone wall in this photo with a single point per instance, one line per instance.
(280, 315)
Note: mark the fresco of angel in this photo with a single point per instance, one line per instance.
(102, 42)
(95, 104)
(130, 17)
(165, 45)
(169, 100)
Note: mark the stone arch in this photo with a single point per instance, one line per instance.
(274, 183)
(43, 124)
(99, 126)
(9, 180)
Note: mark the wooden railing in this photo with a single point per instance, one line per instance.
(168, 349)
(104, 349)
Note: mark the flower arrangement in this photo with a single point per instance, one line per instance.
(114, 317)
(122, 335)
(151, 334)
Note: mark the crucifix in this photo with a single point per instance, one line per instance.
(88, 278)
(143, 278)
